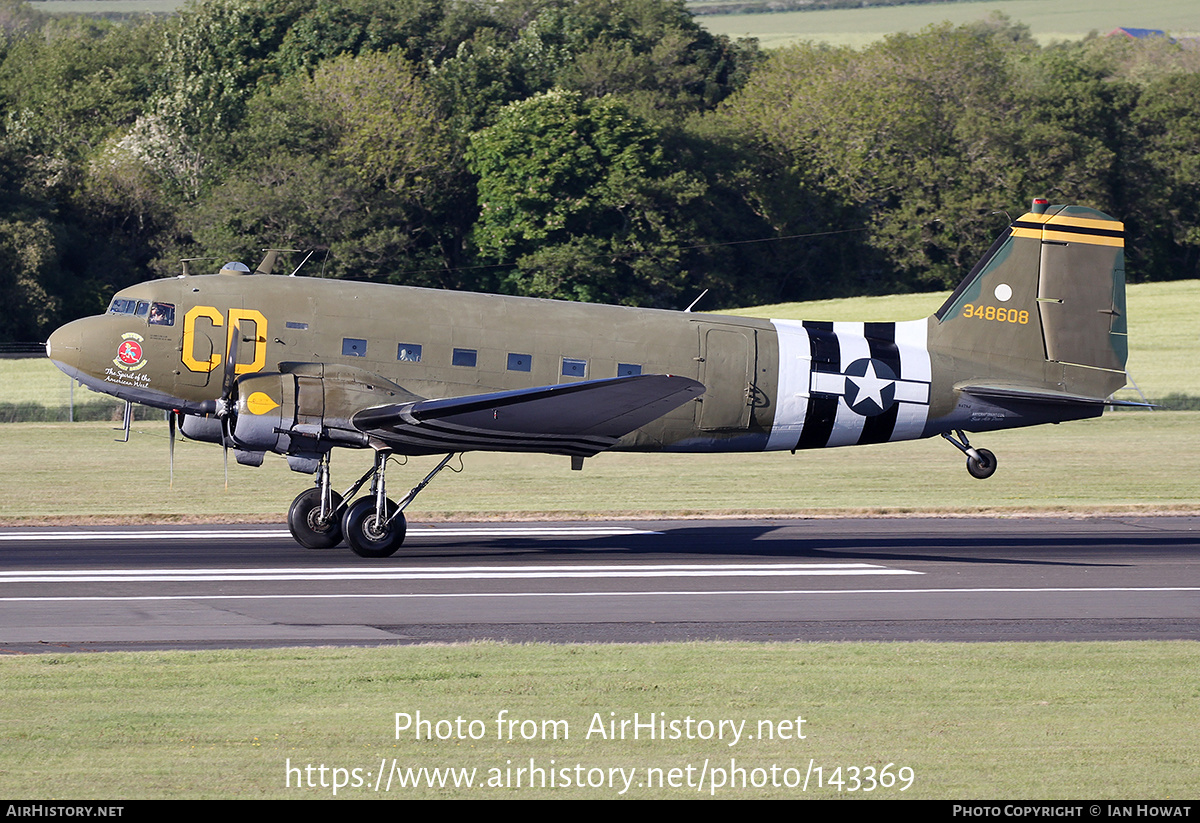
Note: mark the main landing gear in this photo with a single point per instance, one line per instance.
(981, 463)
(373, 525)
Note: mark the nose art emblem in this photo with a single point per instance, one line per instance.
(129, 352)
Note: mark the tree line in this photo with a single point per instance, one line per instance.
(601, 150)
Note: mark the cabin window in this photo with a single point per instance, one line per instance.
(573, 367)
(408, 353)
(464, 357)
(519, 362)
(628, 369)
(354, 347)
(292, 324)
(162, 314)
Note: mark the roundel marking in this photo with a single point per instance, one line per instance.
(129, 352)
(260, 403)
(870, 387)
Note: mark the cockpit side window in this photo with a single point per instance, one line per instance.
(162, 314)
(142, 307)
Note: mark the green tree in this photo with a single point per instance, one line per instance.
(356, 159)
(1162, 170)
(917, 137)
(577, 193)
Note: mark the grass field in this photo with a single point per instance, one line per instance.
(995, 721)
(1049, 20)
(1126, 461)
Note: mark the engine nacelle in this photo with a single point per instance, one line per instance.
(266, 412)
(305, 409)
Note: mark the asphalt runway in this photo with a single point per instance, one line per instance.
(1102, 578)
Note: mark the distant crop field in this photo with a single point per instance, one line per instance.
(108, 6)
(1049, 20)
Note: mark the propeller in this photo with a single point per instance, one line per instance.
(224, 408)
(228, 403)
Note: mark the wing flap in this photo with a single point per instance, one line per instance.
(574, 418)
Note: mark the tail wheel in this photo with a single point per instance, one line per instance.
(304, 521)
(368, 537)
(984, 467)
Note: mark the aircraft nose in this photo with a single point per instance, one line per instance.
(64, 346)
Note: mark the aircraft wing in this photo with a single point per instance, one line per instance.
(573, 418)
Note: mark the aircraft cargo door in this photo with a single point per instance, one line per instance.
(728, 357)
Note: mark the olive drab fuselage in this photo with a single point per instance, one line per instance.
(299, 366)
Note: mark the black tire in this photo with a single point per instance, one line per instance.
(984, 467)
(302, 521)
(358, 526)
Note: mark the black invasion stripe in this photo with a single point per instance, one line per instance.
(1059, 227)
(818, 422)
(824, 346)
(878, 429)
(821, 412)
(881, 338)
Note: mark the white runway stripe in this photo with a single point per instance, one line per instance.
(657, 594)
(260, 534)
(431, 573)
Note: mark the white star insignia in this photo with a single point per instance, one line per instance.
(870, 386)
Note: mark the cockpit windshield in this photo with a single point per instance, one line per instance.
(162, 314)
(156, 314)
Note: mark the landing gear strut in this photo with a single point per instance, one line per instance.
(373, 525)
(314, 518)
(981, 463)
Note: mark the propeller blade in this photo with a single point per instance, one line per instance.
(171, 444)
(228, 382)
(225, 449)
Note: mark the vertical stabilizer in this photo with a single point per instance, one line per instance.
(1044, 311)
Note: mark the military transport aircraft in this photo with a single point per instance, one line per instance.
(299, 366)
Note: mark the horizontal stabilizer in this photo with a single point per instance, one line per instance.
(574, 418)
(1043, 396)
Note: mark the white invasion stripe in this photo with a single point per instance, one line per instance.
(912, 338)
(795, 362)
(910, 421)
(426, 573)
(260, 534)
(482, 595)
(853, 345)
